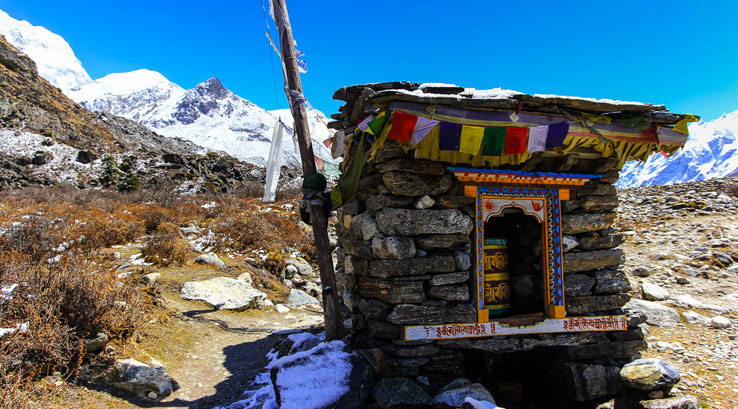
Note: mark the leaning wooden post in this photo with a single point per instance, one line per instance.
(331, 311)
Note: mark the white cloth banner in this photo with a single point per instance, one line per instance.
(274, 164)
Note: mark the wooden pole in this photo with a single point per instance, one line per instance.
(331, 310)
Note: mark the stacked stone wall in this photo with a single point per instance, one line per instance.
(405, 258)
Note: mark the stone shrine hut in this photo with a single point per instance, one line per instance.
(475, 235)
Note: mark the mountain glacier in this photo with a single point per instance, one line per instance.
(711, 151)
(209, 115)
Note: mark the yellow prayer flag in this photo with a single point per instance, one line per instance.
(681, 126)
(597, 118)
(471, 139)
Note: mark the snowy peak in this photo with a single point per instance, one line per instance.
(710, 152)
(54, 57)
(212, 88)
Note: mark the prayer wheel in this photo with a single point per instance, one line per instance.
(496, 277)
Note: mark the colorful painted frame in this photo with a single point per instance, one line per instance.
(544, 205)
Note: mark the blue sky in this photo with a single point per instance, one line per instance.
(680, 54)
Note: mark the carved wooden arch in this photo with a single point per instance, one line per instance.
(544, 205)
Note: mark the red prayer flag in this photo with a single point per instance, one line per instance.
(402, 127)
(516, 140)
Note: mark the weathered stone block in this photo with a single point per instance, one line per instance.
(359, 248)
(599, 203)
(393, 247)
(454, 202)
(406, 222)
(611, 281)
(379, 202)
(411, 266)
(451, 278)
(363, 227)
(586, 222)
(581, 305)
(411, 184)
(459, 292)
(442, 241)
(579, 284)
(432, 314)
(592, 260)
(373, 309)
(383, 329)
(584, 381)
(597, 189)
(422, 167)
(393, 292)
(649, 374)
(355, 265)
(597, 242)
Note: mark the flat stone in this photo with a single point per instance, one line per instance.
(422, 167)
(672, 402)
(649, 374)
(594, 303)
(425, 202)
(600, 242)
(459, 292)
(379, 202)
(442, 241)
(611, 281)
(281, 308)
(411, 184)
(592, 260)
(409, 314)
(579, 284)
(359, 248)
(399, 393)
(373, 309)
(597, 189)
(586, 222)
(411, 266)
(599, 203)
(406, 222)
(657, 314)
(210, 259)
(691, 317)
(452, 278)
(363, 226)
(299, 298)
(653, 292)
(383, 329)
(141, 379)
(393, 247)
(224, 293)
(393, 292)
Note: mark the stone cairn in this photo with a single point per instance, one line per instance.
(405, 258)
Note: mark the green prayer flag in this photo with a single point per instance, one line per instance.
(356, 137)
(494, 141)
(348, 184)
(638, 122)
(376, 124)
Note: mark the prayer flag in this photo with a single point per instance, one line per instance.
(318, 162)
(681, 126)
(494, 141)
(422, 128)
(449, 136)
(365, 122)
(537, 138)
(650, 134)
(471, 139)
(402, 127)
(556, 135)
(375, 125)
(516, 140)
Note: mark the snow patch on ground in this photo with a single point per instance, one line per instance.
(310, 379)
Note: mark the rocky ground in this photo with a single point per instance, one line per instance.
(682, 260)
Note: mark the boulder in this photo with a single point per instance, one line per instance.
(97, 343)
(649, 374)
(719, 322)
(405, 222)
(400, 393)
(144, 381)
(303, 267)
(299, 298)
(393, 247)
(653, 292)
(224, 293)
(86, 157)
(210, 259)
(657, 314)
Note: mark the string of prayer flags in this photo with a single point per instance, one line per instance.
(375, 126)
(449, 136)
(650, 134)
(516, 140)
(403, 126)
(681, 126)
(556, 135)
(537, 138)
(422, 128)
(494, 141)
(471, 139)
(365, 122)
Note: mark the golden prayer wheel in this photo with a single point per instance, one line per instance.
(496, 277)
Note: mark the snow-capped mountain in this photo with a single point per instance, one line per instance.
(209, 114)
(54, 57)
(710, 152)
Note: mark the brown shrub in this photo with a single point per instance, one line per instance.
(151, 215)
(164, 246)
